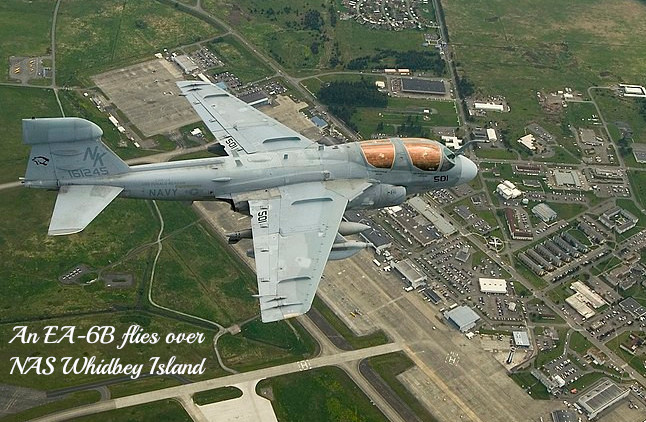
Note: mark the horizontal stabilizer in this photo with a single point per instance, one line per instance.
(77, 206)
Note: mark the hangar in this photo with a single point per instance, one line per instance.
(411, 273)
(462, 317)
(601, 397)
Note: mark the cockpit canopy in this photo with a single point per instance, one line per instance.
(379, 153)
(424, 154)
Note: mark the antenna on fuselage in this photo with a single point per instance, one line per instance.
(464, 147)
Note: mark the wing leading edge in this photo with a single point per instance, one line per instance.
(293, 233)
(238, 127)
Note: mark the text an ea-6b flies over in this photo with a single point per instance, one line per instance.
(294, 189)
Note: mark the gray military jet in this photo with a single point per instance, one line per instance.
(294, 189)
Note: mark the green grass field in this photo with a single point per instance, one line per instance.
(189, 278)
(17, 104)
(638, 185)
(618, 109)
(322, 394)
(442, 113)
(262, 345)
(216, 395)
(277, 27)
(72, 400)
(637, 362)
(579, 343)
(239, 60)
(560, 292)
(527, 382)
(196, 272)
(33, 261)
(94, 36)
(18, 39)
(515, 49)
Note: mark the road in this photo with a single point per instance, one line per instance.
(198, 9)
(190, 389)
(53, 53)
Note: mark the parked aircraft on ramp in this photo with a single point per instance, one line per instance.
(294, 189)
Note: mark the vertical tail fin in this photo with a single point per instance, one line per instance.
(66, 148)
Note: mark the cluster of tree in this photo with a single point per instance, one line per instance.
(624, 146)
(355, 94)
(332, 13)
(343, 98)
(465, 87)
(313, 20)
(410, 59)
(334, 58)
(412, 128)
(420, 60)
(642, 108)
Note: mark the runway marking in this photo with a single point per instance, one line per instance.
(304, 365)
(445, 388)
(390, 302)
(453, 358)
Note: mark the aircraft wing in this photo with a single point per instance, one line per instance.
(238, 127)
(293, 233)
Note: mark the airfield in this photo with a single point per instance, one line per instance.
(446, 361)
(387, 353)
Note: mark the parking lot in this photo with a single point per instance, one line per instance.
(146, 93)
(564, 368)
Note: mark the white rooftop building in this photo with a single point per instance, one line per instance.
(591, 297)
(493, 285)
(521, 339)
(528, 141)
(489, 107)
(578, 303)
(508, 190)
(452, 142)
(633, 90)
(491, 135)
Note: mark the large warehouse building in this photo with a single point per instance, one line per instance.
(462, 317)
(423, 86)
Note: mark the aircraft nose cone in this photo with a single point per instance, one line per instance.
(468, 170)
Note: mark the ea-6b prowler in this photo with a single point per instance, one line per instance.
(294, 189)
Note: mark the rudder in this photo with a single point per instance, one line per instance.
(67, 148)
